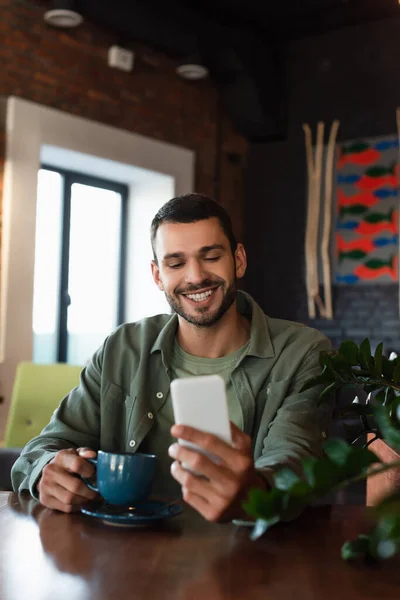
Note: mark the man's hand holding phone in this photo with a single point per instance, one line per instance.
(213, 459)
(219, 494)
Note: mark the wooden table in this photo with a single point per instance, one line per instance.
(45, 555)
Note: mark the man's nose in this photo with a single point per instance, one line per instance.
(194, 272)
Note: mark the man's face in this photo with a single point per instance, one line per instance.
(196, 269)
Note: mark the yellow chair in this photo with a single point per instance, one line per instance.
(38, 390)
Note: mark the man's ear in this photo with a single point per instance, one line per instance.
(155, 271)
(240, 261)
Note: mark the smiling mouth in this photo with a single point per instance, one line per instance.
(200, 296)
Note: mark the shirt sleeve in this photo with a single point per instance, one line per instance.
(300, 426)
(75, 423)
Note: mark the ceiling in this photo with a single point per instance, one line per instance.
(275, 21)
(238, 40)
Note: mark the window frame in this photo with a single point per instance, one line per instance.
(69, 178)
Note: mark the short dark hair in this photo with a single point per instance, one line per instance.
(190, 208)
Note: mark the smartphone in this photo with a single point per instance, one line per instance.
(201, 402)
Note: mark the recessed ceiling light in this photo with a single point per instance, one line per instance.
(63, 14)
(62, 17)
(192, 71)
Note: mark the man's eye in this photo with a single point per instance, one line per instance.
(213, 258)
(176, 266)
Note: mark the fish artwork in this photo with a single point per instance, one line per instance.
(351, 278)
(367, 199)
(382, 242)
(367, 193)
(385, 193)
(374, 268)
(354, 209)
(348, 225)
(384, 145)
(365, 228)
(358, 155)
(366, 244)
(379, 217)
(350, 179)
(353, 254)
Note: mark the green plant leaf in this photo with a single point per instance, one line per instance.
(351, 432)
(372, 387)
(337, 450)
(349, 350)
(359, 460)
(364, 355)
(385, 424)
(321, 474)
(358, 409)
(388, 367)
(285, 478)
(378, 358)
(325, 357)
(261, 526)
(262, 504)
(328, 392)
(301, 489)
(356, 548)
(324, 378)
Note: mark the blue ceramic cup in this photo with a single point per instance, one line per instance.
(123, 479)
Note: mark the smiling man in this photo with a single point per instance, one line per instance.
(123, 401)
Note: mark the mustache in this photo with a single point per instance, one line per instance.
(190, 289)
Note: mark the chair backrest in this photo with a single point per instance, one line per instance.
(38, 390)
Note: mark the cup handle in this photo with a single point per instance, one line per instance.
(90, 485)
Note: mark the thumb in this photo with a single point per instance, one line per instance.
(86, 452)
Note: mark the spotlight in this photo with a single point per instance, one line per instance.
(63, 14)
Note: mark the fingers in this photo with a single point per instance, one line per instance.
(200, 494)
(60, 486)
(215, 445)
(217, 474)
(218, 495)
(55, 504)
(86, 452)
(72, 462)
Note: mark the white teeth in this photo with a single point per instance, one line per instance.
(200, 297)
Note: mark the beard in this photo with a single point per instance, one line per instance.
(204, 317)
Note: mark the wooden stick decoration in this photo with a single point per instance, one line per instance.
(314, 169)
(308, 250)
(326, 233)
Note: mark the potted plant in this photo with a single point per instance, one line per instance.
(345, 462)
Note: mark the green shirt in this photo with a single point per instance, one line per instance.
(159, 437)
(126, 383)
(184, 364)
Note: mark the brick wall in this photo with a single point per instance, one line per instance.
(351, 75)
(68, 71)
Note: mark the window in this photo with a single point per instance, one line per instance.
(79, 264)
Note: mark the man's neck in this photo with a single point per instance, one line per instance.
(226, 336)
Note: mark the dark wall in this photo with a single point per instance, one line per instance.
(67, 70)
(351, 75)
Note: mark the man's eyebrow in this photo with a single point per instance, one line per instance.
(203, 250)
(173, 255)
(206, 249)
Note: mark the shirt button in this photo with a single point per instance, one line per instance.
(150, 415)
(132, 443)
(160, 395)
(323, 434)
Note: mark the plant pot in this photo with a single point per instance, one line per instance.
(385, 483)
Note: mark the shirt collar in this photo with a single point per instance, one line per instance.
(260, 339)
